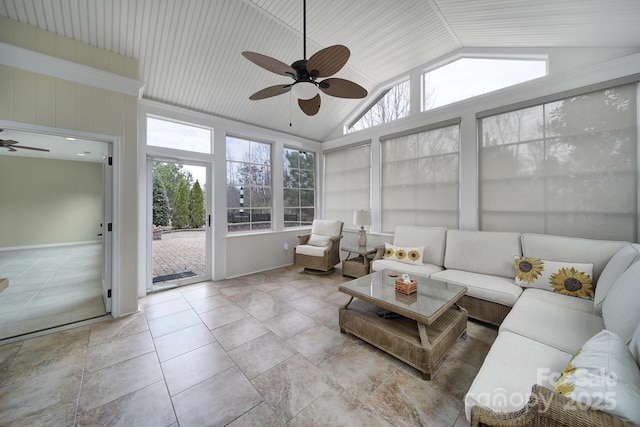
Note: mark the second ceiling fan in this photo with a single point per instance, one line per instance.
(305, 74)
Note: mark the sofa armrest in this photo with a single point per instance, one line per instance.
(379, 252)
(548, 408)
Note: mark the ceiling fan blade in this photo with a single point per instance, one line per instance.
(8, 141)
(328, 61)
(270, 64)
(30, 148)
(270, 91)
(342, 88)
(310, 106)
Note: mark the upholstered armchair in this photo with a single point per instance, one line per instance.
(319, 251)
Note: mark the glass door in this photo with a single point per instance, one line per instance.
(180, 229)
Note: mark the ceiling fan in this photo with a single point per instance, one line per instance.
(305, 74)
(11, 145)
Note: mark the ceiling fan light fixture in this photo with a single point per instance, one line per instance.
(304, 90)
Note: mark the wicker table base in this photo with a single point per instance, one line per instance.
(423, 347)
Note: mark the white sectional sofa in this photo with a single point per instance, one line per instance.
(540, 331)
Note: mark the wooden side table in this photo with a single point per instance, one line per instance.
(358, 262)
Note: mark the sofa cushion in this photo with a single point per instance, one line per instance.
(556, 325)
(485, 252)
(407, 254)
(432, 238)
(514, 363)
(491, 288)
(617, 265)
(549, 298)
(571, 249)
(620, 309)
(423, 269)
(604, 375)
(572, 279)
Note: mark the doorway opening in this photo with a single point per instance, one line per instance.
(54, 246)
(180, 224)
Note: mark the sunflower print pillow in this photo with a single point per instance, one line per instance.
(408, 255)
(573, 279)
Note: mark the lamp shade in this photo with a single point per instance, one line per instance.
(304, 90)
(362, 217)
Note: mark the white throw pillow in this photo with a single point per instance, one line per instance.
(603, 375)
(408, 255)
(620, 310)
(616, 266)
(568, 278)
(318, 240)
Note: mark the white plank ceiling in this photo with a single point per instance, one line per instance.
(190, 50)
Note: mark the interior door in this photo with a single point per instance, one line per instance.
(107, 234)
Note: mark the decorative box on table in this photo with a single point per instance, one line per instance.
(406, 288)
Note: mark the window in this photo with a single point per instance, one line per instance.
(469, 77)
(299, 182)
(566, 167)
(347, 182)
(420, 175)
(167, 134)
(249, 200)
(393, 104)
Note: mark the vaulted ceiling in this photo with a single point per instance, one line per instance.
(190, 50)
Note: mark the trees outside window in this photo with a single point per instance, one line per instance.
(299, 181)
(393, 104)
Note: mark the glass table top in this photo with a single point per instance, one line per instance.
(432, 298)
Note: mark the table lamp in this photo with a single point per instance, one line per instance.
(362, 218)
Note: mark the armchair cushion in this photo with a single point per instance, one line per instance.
(326, 227)
(319, 240)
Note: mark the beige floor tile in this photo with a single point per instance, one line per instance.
(118, 328)
(407, 401)
(51, 395)
(260, 416)
(182, 341)
(318, 343)
(307, 305)
(336, 408)
(239, 332)
(462, 420)
(200, 291)
(327, 316)
(288, 293)
(358, 370)
(194, 367)
(252, 298)
(289, 324)
(118, 350)
(268, 309)
(160, 297)
(150, 406)
(210, 303)
(165, 308)
(291, 386)
(223, 316)
(173, 322)
(47, 353)
(261, 354)
(454, 377)
(113, 382)
(471, 350)
(216, 401)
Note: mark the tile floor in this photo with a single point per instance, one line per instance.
(50, 287)
(262, 350)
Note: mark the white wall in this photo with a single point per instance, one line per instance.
(48, 201)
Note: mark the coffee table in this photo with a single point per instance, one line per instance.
(431, 320)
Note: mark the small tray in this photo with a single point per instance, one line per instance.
(406, 289)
